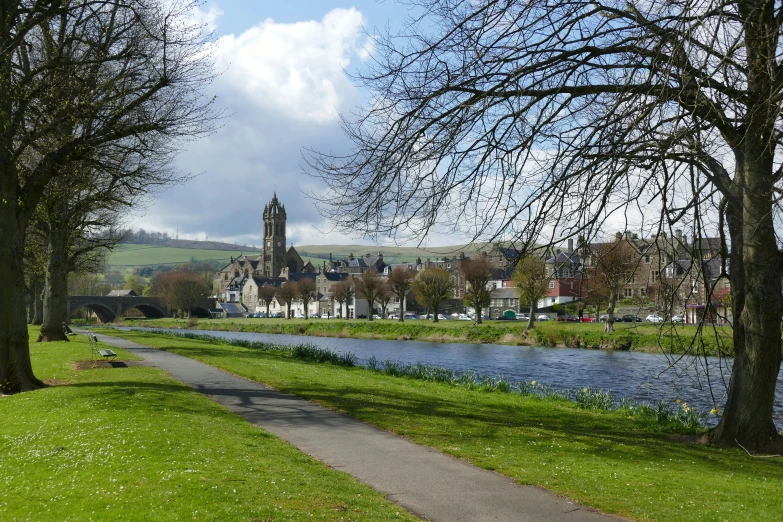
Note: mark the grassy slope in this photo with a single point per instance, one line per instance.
(639, 337)
(134, 444)
(140, 255)
(606, 460)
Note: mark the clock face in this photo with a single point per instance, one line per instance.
(269, 243)
(278, 243)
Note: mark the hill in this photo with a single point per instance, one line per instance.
(133, 255)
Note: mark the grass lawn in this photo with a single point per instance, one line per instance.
(133, 444)
(634, 336)
(615, 463)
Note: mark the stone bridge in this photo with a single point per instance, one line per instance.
(108, 308)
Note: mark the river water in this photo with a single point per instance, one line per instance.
(644, 377)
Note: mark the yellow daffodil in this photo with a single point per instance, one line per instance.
(585, 390)
(714, 411)
(678, 401)
(533, 383)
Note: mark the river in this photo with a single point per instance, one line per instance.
(643, 377)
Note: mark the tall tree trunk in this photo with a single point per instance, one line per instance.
(38, 308)
(55, 309)
(758, 303)
(16, 371)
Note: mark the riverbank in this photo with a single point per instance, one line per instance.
(642, 337)
(609, 460)
(130, 443)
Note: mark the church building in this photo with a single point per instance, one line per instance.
(274, 265)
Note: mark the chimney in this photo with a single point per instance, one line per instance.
(635, 236)
(232, 259)
(678, 235)
(618, 236)
(330, 258)
(627, 235)
(570, 245)
(350, 256)
(462, 255)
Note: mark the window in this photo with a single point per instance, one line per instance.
(647, 259)
(551, 284)
(642, 291)
(629, 292)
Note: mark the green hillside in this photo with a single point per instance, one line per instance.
(143, 255)
(133, 255)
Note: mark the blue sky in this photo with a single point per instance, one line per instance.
(284, 85)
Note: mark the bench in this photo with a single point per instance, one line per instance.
(106, 353)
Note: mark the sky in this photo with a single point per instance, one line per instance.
(283, 84)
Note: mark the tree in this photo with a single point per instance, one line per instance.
(432, 286)
(667, 112)
(477, 273)
(287, 293)
(267, 294)
(383, 297)
(306, 288)
(615, 265)
(368, 286)
(133, 283)
(135, 70)
(400, 283)
(186, 291)
(532, 282)
(343, 293)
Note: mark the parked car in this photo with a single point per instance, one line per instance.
(463, 317)
(376, 316)
(411, 316)
(630, 318)
(394, 316)
(654, 318)
(523, 317)
(316, 316)
(299, 315)
(278, 315)
(442, 317)
(679, 318)
(542, 317)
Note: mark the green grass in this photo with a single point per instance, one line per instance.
(133, 444)
(614, 462)
(627, 336)
(142, 255)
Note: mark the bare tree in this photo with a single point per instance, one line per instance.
(267, 294)
(185, 291)
(343, 293)
(383, 297)
(477, 273)
(669, 113)
(432, 286)
(287, 293)
(615, 266)
(306, 288)
(532, 282)
(368, 285)
(146, 67)
(400, 282)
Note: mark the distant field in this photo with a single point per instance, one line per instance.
(141, 255)
(132, 255)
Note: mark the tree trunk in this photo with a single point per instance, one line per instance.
(609, 326)
(55, 309)
(478, 314)
(531, 320)
(16, 371)
(758, 301)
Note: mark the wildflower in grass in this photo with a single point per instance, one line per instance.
(533, 383)
(715, 411)
(585, 390)
(678, 401)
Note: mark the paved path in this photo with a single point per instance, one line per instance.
(425, 481)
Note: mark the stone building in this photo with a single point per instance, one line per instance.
(274, 262)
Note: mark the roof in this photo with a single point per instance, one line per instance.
(123, 293)
(504, 293)
(564, 257)
(298, 276)
(335, 276)
(233, 308)
(263, 280)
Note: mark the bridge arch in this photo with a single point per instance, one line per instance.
(104, 313)
(200, 312)
(150, 311)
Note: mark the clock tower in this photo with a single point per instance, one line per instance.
(274, 238)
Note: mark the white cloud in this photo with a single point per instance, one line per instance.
(296, 70)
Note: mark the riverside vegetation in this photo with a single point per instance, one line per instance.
(627, 336)
(133, 444)
(609, 458)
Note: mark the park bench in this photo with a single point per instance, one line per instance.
(106, 353)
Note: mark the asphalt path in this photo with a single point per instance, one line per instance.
(428, 483)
